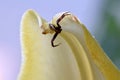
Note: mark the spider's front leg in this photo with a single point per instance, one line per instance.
(59, 19)
(57, 28)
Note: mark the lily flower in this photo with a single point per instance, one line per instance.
(77, 57)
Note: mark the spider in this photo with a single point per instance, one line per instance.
(57, 28)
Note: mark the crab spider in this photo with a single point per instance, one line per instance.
(57, 28)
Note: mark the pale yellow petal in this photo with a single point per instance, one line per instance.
(79, 57)
(93, 51)
(40, 60)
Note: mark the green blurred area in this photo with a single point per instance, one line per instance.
(108, 33)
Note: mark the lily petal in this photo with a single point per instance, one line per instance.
(79, 57)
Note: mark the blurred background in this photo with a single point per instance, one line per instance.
(101, 17)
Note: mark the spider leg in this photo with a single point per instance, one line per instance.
(52, 41)
(57, 29)
(59, 19)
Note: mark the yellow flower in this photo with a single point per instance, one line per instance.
(78, 57)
